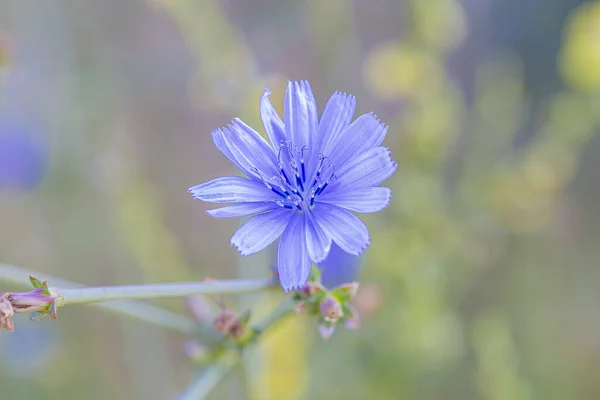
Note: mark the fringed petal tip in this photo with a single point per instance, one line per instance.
(389, 199)
(243, 253)
(344, 94)
(293, 287)
(363, 248)
(372, 114)
(194, 191)
(301, 83)
(357, 251)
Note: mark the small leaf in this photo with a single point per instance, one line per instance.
(345, 292)
(35, 282)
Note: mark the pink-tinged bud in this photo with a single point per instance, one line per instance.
(194, 350)
(228, 323)
(5, 51)
(42, 299)
(331, 309)
(352, 321)
(326, 330)
(311, 289)
(301, 308)
(36, 300)
(6, 312)
(368, 300)
(199, 307)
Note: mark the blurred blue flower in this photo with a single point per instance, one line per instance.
(22, 155)
(304, 185)
(27, 352)
(338, 267)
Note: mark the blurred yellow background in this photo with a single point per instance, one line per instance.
(482, 279)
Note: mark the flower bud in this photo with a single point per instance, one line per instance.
(368, 300)
(199, 307)
(36, 300)
(301, 308)
(5, 51)
(326, 330)
(352, 319)
(311, 289)
(194, 350)
(331, 309)
(228, 323)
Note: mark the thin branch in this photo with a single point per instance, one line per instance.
(161, 290)
(208, 378)
(130, 308)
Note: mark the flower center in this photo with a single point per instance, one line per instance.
(298, 183)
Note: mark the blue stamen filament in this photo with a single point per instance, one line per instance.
(297, 196)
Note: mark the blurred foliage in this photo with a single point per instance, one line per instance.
(482, 278)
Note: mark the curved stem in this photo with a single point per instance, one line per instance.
(160, 290)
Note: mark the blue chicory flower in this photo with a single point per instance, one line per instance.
(306, 183)
(338, 267)
(22, 156)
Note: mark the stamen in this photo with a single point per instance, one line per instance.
(285, 196)
(304, 148)
(289, 149)
(287, 180)
(257, 172)
(321, 189)
(299, 182)
(295, 194)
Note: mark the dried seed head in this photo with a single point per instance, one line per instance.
(6, 312)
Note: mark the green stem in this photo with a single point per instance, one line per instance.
(130, 308)
(160, 290)
(208, 379)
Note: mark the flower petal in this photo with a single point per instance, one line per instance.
(301, 117)
(337, 115)
(260, 231)
(242, 209)
(368, 169)
(250, 149)
(365, 133)
(317, 242)
(346, 230)
(232, 189)
(292, 257)
(219, 141)
(273, 124)
(362, 200)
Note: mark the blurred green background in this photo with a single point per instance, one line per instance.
(482, 280)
